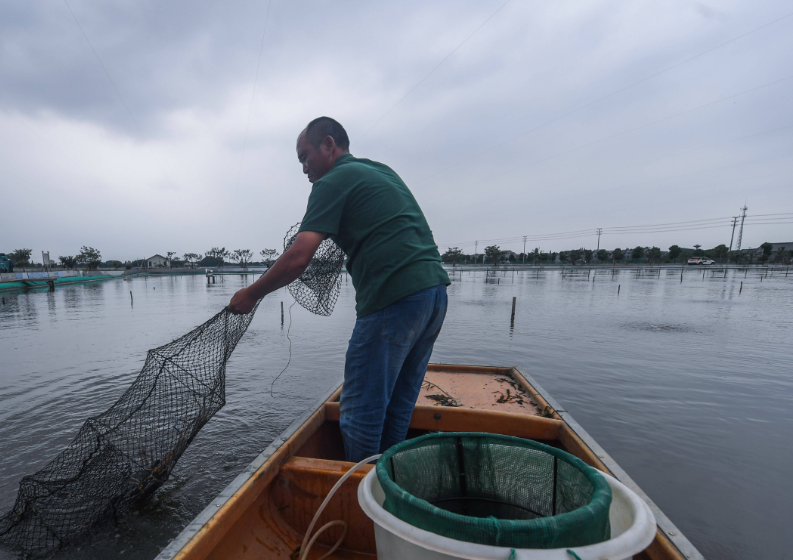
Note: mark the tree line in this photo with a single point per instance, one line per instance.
(494, 255)
(91, 259)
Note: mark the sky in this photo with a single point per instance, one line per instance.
(145, 127)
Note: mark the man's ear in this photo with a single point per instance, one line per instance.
(329, 143)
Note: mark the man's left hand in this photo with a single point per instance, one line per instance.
(242, 303)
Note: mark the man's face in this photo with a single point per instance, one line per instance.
(316, 161)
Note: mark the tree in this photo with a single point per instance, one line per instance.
(564, 256)
(782, 256)
(674, 252)
(218, 254)
(720, 252)
(89, 257)
(242, 256)
(654, 254)
(20, 257)
(191, 258)
(588, 255)
(616, 255)
(493, 253)
(603, 254)
(170, 255)
(269, 255)
(767, 248)
(637, 253)
(68, 262)
(698, 252)
(452, 255)
(575, 255)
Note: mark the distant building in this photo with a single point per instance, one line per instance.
(784, 246)
(157, 261)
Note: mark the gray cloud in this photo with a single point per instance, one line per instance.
(659, 151)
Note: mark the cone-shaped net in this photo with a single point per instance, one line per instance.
(123, 455)
(317, 289)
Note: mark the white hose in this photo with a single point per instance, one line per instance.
(307, 544)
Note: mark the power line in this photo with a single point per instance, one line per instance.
(690, 225)
(615, 92)
(421, 81)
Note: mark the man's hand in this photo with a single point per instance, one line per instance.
(242, 303)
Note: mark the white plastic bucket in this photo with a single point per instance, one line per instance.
(632, 530)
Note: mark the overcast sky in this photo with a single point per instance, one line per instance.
(524, 118)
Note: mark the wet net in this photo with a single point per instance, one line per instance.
(123, 455)
(495, 490)
(317, 289)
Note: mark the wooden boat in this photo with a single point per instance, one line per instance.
(265, 511)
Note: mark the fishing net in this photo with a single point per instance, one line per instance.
(495, 490)
(123, 455)
(317, 289)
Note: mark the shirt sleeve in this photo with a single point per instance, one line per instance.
(324, 209)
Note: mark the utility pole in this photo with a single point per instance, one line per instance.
(476, 247)
(734, 222)
(524, 248)
(600, 230)
(740, 230)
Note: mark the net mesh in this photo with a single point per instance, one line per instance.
(123, 455)
(317, 289)
(495, 490)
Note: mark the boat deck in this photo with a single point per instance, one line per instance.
(265, 511)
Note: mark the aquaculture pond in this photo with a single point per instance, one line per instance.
(688, 385)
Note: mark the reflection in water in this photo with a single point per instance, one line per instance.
(686, 384)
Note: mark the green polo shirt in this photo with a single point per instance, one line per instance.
(371, 214)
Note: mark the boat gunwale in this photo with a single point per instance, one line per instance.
(666, 531)
(666, 528)
(216, 505)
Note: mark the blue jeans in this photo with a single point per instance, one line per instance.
(386, 361)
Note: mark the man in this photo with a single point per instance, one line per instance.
(396, 270)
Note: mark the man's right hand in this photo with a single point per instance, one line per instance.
(242, 303)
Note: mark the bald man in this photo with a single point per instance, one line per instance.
(395, 266)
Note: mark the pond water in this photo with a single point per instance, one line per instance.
(687, 385)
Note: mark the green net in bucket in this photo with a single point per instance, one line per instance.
(495, 490)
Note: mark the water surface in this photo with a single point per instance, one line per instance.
(687, 385)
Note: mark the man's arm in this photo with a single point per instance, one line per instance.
(286, 269)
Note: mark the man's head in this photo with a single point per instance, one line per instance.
(319, 145)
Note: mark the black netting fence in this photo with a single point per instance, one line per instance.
(123, 455)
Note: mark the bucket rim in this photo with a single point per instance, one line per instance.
(636, 538)
(599, 500)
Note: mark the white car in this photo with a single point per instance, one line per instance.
(701, 260)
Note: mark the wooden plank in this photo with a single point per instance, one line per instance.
(214, 530)
(450, 419)
(304, 483)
